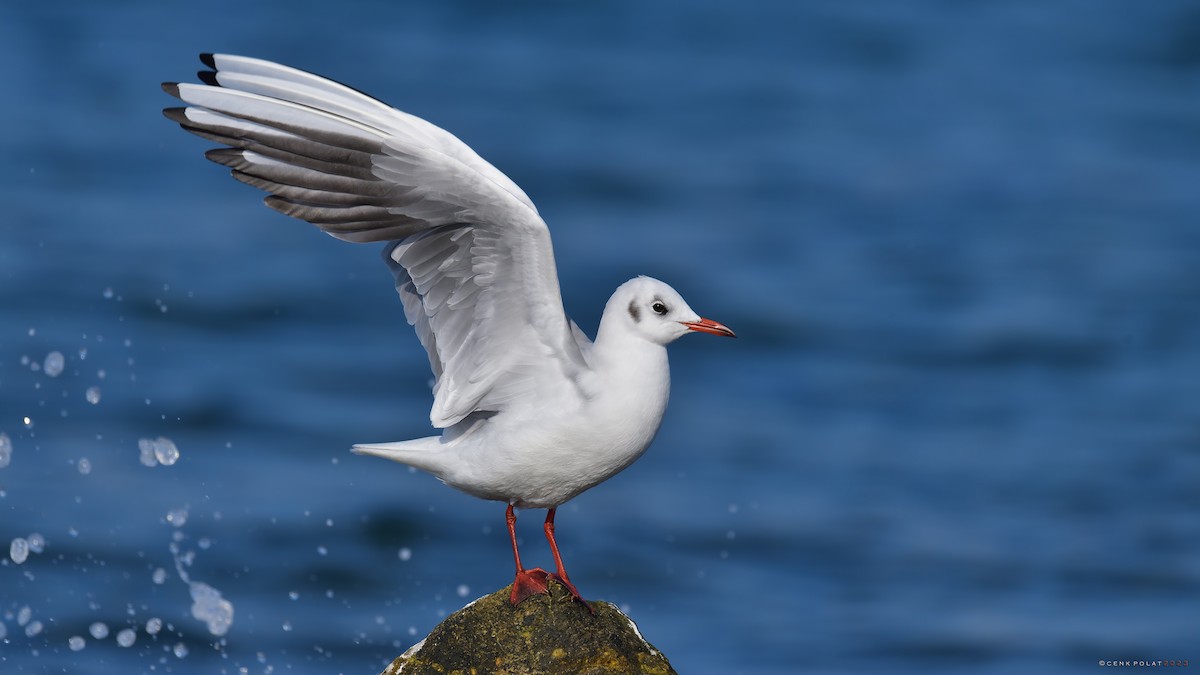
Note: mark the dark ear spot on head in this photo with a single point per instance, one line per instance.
(634, 311)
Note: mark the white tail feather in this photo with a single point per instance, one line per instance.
(420, 453)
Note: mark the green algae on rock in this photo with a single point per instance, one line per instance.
(545, 634)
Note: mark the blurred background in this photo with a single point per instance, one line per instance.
(959, 243)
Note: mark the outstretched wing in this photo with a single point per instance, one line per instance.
(473, 261)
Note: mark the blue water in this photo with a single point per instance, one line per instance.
(959, 243)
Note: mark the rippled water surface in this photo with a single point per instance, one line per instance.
(958, 433)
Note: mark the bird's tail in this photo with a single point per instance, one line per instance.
(421, 453)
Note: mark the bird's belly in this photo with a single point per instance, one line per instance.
(553, 461)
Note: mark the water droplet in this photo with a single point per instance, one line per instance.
(84, 465)
(18, 550)
(180, 650)
(293, 595)
(287, 626)
(406, 554)
(24, 615)
(37, 543)
(153, 625)
(159, 576)
(34, 628)
(83, 353)
(211, 608)
(321, 550)
(92, 395)
(6, 449)
(28, 422)
(76, 643)
(108, 293)
(177, 517)
(146, 452)
(165, 451)
(127, 637)
(98, 630)
(53, 364)
(462, 590)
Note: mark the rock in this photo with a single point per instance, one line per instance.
(545, 634)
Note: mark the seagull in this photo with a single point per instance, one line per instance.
(531, 412)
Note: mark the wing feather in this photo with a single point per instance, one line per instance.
(472, 260)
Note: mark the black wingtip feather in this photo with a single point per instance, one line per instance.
(230, 157)
(207, 59)
(208, 77)
(171, 88)
(176, 115)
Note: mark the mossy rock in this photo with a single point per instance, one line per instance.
(545, 634)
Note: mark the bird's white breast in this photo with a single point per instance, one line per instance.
(542, 458)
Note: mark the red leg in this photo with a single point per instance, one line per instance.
(528, 582)
(560, 574)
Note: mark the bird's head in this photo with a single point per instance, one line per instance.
(657, 313)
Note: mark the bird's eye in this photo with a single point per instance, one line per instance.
(659, 307)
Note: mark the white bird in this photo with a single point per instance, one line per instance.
(531, 411)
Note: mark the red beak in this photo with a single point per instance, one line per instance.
(709, 326)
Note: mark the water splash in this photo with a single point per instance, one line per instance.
(208, 606)
(177, 517)
(53, 364)
(146, 450)
(157, 451)
(18, 550)
(127, 637)
(6, 450)
(165, 451)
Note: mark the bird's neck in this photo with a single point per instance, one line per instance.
(633, 366)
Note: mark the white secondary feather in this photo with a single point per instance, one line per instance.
(532, 411)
